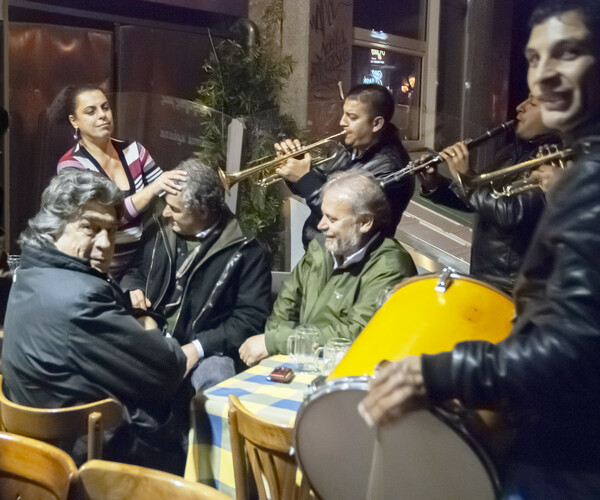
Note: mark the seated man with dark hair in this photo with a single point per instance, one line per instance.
(70, 336)
(335, 286)
(198, 269)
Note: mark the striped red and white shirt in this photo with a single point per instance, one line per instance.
(141, 170)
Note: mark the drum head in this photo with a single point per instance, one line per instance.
(420, 456)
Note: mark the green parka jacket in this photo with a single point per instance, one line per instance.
(339, 303)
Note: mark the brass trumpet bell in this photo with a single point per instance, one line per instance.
(229, 180)
(550, 154)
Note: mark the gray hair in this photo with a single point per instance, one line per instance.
(63, 201)
(364, 193)
(203, 190)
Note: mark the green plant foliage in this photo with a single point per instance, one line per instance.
(244, 82)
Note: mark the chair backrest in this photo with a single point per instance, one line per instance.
(102, 480)
(53, 425)
(268, 448)
(32, 469)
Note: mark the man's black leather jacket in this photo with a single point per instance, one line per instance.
(381, 159)
(546, 375)
(503, 226)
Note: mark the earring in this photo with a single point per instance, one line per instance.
(76, 134)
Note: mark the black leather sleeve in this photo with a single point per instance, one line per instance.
(550, 362)
(506, 211)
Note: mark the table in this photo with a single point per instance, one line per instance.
(209, 454)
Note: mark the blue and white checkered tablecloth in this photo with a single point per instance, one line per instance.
(209, 454)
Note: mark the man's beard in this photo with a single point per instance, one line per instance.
(343, 247)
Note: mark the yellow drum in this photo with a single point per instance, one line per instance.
(427, 315)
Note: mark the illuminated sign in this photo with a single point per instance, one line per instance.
(375, 77)
(379, 35)
(377, 56)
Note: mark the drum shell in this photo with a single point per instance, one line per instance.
(418, 319)
(424, 455)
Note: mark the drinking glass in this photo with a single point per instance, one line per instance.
(333, 352)
(301, 348)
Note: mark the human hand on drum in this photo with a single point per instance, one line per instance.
(395, 390)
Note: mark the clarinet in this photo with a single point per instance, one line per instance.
(434, 159)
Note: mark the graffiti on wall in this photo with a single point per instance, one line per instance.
(330, 60)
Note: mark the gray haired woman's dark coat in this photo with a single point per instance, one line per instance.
(70, 338)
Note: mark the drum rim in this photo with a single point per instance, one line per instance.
(451, 419)
(455, 275)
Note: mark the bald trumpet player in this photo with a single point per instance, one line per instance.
(371, 145)
(503, 225)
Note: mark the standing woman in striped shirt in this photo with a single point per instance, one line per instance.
(127, 163)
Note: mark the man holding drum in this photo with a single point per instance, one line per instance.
(545, 377)
(335, 286)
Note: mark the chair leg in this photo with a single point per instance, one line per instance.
(239, 464)
(94, 435)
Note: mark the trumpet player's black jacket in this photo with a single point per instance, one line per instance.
(384, 157)
(545, 376)
(227, 297)
(503, 225)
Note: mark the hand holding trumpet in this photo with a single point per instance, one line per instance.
(545, 176)
(293, 168)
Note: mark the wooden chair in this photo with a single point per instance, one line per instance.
(62, 424)
(268, 448)
(32, 469)
(102, 480)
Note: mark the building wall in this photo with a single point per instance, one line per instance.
(318, 36)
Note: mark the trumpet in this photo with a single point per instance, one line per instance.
(520, 185)
(229, 180)
(434, 159)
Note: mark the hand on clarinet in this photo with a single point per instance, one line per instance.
(428, 177)
(457, 159)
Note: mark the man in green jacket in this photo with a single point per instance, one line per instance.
(336, 284)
